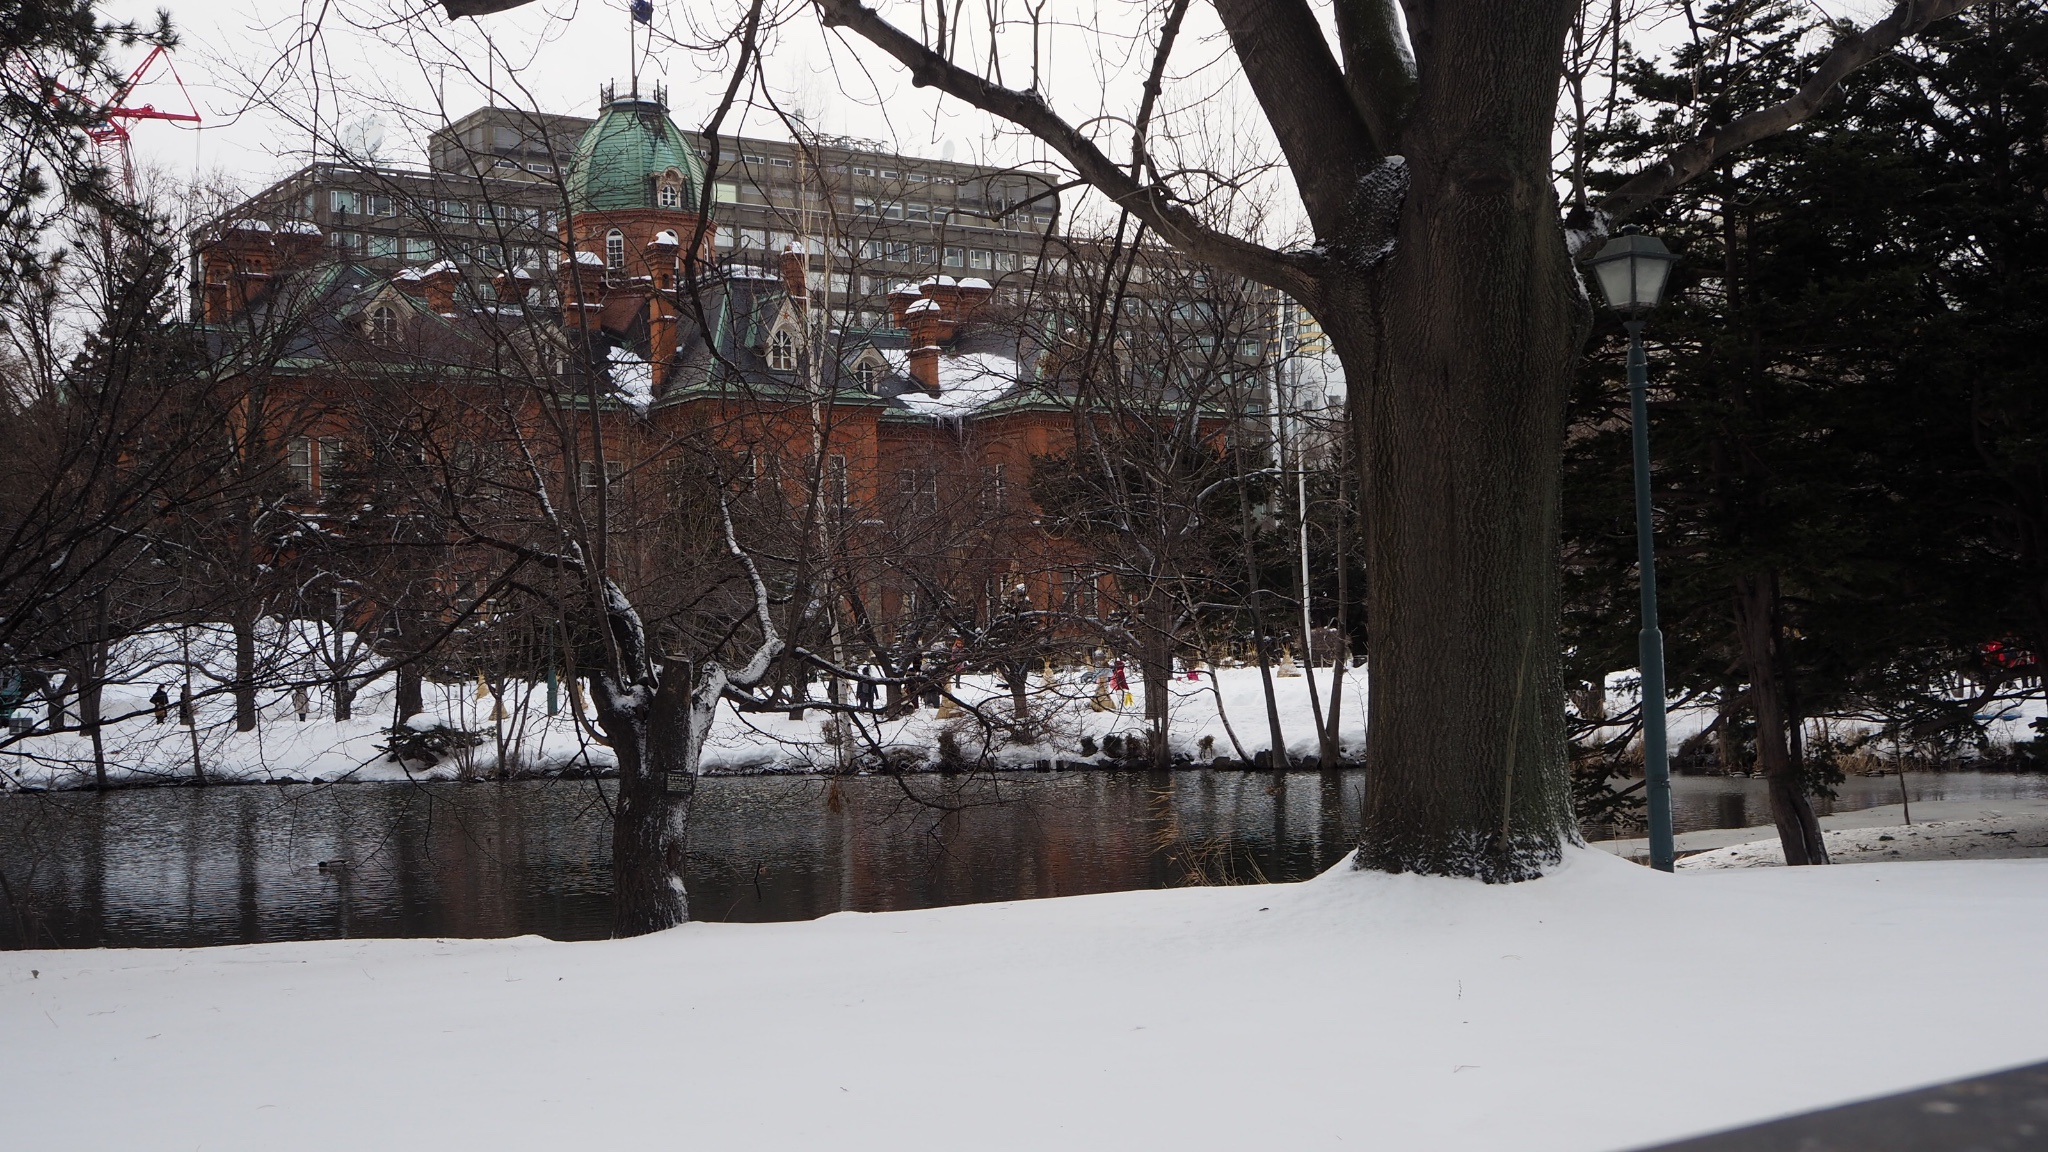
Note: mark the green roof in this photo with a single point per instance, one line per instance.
(618, 159)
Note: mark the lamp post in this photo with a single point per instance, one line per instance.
(1632, 270)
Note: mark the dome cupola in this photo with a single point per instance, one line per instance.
(635, 157)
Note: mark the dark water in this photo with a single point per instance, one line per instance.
(230, 865)
(194, 866)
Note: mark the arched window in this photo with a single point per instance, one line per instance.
(669, 194)
(615, 250)
(383, 324)
(782, 351)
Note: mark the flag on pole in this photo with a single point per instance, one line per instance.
(643, 11)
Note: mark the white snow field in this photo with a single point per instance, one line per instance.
(1603, 1007)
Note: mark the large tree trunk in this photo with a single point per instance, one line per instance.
(411, 696)
(1460, 349)
(245, 672)
(1756, 624)
(656, 787)
(1155, 670)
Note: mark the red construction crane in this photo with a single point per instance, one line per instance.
(111, 131)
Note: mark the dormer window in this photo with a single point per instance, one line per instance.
(669, 194)
(869, 374)
(782, 351)
(615, 250)
(383, 324)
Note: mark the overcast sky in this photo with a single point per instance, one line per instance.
(405, 63)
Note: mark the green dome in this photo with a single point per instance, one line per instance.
(622, 155)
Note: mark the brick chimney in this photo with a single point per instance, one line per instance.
(297, 243)
(795, 272)
(410, 282)
(237, 268)
(583, 290)
(513, 287)
(439, 282)
(928, 327)
(933, 313)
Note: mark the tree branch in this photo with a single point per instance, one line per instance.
(1852, 51)
(1292, 273)
(1288, 64)
(1378, 68)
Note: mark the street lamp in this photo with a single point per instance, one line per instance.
(1632, 270)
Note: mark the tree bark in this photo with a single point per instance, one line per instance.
(411, 696)
(1155, 670)
(1756, 623)
(245, 672)
(657, 785)
(1460, 352)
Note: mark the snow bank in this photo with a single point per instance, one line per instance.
(138, 750)
(2010, 831)
(1604, 1007)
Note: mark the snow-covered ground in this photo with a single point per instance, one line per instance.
(1943, 830)
(1603, 1007)
(138, 749)
(2008, 828)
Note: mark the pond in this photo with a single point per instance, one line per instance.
(232, 865)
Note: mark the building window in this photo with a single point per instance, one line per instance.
(383, 324)
(327, 463)
(1082, 596)
(614, 471)
(341, 200)
(381, 247)
(669, 194)
(980, 258)
(995, 488)
(1006, 261)
(615, 250)
(917, 489)
(869, 374)
(298, 460)
(782, 351)
(727, 192)
(954, 257)
(835, 481)
(418, 248)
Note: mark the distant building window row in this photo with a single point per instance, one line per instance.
(377, 205)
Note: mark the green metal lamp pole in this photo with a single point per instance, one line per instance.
(1632, 270)
(1650, 642)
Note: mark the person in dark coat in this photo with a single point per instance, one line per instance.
(864, 692)
(160, 700)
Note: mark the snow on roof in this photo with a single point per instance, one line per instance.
(520, 274)
(440, 266)
(585, 258)
(406, 274)
(967, 383)
(976, 282)
(795, 246)
(300, 228)
(904, 289)
(924, 306)
(633, 377)
(941, 281)
(668, 237)
(248, 225)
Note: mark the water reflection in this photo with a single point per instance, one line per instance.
(242, 865)
(200, 866)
